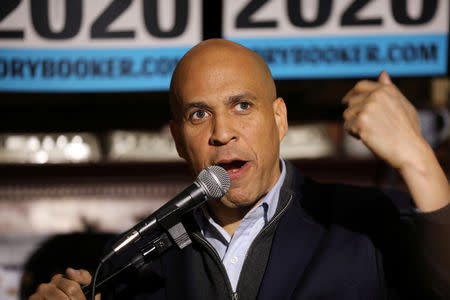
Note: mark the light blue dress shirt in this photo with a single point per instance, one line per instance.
(233, 250)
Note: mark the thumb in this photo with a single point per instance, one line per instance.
(384, 78)
(81, 276)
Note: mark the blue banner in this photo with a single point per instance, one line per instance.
(87, 70)
(355, 56)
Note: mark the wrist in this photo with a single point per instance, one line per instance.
(418, 157)
(425, 179)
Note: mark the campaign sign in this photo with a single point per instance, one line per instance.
(101, 45)
(343, 38)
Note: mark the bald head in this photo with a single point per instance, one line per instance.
(212, 56)
(226, 113)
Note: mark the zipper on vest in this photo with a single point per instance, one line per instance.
(234, 295)
(202, 240)
(266, 227)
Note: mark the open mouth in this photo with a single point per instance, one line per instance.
(233, 165)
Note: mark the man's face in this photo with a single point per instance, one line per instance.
(228, 119)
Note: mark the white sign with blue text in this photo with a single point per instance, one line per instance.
(101, 45)
(343, 38)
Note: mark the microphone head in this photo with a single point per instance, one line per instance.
(215, 181)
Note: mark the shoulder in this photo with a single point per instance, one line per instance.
(334, 202)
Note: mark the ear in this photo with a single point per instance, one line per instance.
(176, 135)
(280, 114)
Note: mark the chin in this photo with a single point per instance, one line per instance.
(238, 201)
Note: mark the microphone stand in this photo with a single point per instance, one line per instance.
(212, 182)
(151, 250)
(174, 233)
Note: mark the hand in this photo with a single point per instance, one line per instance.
(387, 123)
(64, 287)
(384, 120)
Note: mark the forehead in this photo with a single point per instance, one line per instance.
(219, 77)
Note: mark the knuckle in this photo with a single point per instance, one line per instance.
(355, 99)
(363, 119)
(43, 288)
(72, 289)
(360, 84)
(377, 94)
(346, 114)
(56, 278)
(35, 296)
(380, 97)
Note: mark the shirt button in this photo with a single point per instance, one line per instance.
(234, 259)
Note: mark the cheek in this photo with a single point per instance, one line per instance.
(268, 141)
(266, 131)
(196, 142)
(259, 139)
(195, 136)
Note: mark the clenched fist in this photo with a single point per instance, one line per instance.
(387, 124)
(384, 120)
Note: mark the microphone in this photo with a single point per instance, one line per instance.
(212, 183)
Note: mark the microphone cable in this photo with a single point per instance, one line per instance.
(94, 279)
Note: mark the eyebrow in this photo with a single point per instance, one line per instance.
(201, 105)
(230, 100)
(239, 97)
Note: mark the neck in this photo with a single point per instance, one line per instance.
(228, 217)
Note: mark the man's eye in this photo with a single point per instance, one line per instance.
(241, 106)
(199, 114)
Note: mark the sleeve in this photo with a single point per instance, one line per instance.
(418, 248)
(434, 233)
(413, 247)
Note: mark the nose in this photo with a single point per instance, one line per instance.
(222, 131)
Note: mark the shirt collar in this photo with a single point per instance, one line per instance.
(273, 195)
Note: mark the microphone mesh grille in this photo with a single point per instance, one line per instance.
(215, 180)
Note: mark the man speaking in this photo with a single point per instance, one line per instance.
(276, 234)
